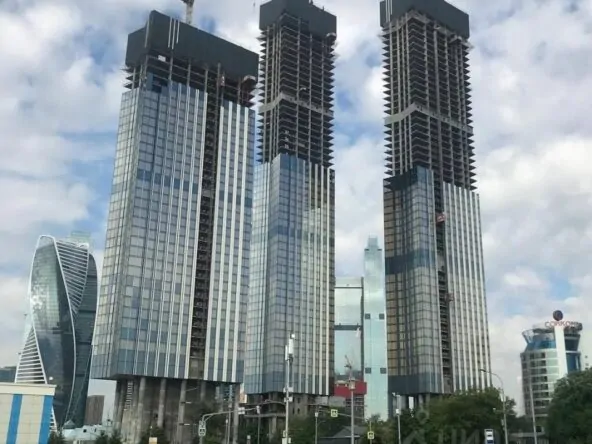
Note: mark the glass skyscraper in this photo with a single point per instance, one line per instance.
(374, 308)
(437, 324)
(292, 261)
(62, 303)
(349, 293)
(172, 308)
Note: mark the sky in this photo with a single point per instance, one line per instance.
(60, 90)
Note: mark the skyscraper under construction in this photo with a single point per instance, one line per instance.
(438, 338)
(292, 257)
(172, 306)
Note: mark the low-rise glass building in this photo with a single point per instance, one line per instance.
(552, 352)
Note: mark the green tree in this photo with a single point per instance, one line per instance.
(154, 432)
(466, 415)
(56, 438)
(115, 438)
(569, 417)
(103, 438)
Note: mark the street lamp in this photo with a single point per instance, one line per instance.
(398, 414)
(288, 389)
(532, 413)
(316, 425)
(482, 370)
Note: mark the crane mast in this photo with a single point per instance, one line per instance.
(188, 10)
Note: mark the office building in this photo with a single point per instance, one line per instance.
(349, 293)
(172, 308)
(25, 412)
(7, 374)
(62, 303)
(292, 262)
(552, 352)
(94, 410)
(374, 308)
(435, 293)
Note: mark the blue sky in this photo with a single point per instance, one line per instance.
(532, 83)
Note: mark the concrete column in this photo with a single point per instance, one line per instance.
(119, 403)
(138, 411)
(181, 429)
(161, 402)
(236, 390)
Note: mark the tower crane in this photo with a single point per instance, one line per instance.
(188, 10)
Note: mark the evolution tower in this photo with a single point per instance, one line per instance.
(438, 338)
(172, 308)
(292, 253)
(58, 341)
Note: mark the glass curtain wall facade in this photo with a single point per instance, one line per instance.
(437, 315)
(375, 346)
(175, 276)
(349, 293)
(552, 352)
(62, 304)
(292, 261)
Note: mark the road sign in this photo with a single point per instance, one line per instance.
(334, 413)
(201, 432)
(370, 435)
(152, 440)
(489, 437)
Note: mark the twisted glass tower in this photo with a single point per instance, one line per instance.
(437, 328)
(62, 304)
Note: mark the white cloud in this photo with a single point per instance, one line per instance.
(531, 100)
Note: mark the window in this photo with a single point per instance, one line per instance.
(381, 316)
(367, 370)
(383, 370)
(367, 316)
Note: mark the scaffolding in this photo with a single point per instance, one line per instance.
(297, 71)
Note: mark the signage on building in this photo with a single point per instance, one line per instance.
(564, 324)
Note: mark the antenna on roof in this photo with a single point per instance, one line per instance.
(188, 10)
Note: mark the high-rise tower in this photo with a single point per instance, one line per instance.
(292, 260)
(374, 328)
(58, 338)
(175, 275)
(436, 309)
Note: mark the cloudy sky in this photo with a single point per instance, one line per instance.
(60, 88)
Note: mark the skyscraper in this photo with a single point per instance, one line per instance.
(349, 293)
(436, 309)
(62, 303)
(175, 277)
(7, 374)
(374, 307)
(292, 261)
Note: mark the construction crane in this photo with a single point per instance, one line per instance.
(188, 10)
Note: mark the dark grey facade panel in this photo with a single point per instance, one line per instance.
(320, 22)
(439, 10)
(192, 45)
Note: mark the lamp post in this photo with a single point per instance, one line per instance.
(534, 426)
(503, 402)
(258, 424)
(398, 414)
(316, 425)
(288, 389)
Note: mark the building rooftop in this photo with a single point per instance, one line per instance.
(168, 36)
(319, 21)
(438, 10)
